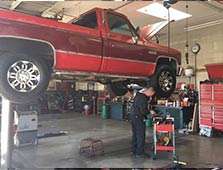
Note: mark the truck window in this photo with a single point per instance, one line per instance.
(88, 20)
(119, 25)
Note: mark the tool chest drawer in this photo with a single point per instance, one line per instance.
(206, 92)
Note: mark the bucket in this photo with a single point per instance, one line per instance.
(189, 72)
(86, 110)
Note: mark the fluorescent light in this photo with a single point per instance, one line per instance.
(204, 25)
(38, 0)
(159, 11)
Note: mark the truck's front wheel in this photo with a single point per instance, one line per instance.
(23, 78)
(164, 81)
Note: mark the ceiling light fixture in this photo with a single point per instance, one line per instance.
(38, 0)
(159, 11)
(204, 25)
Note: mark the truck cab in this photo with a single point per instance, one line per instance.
(127, 51)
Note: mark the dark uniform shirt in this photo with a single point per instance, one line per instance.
(139, 107)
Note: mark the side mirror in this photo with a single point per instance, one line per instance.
(157, 38)
(135, 39)
(137, 30)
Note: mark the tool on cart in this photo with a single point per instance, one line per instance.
(163, 135)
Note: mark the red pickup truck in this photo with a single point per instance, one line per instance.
(101, 45)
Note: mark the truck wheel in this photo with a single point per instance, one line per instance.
(118, 88)
(164, 81)
(22, 78)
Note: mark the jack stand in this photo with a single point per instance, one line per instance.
(6, 134)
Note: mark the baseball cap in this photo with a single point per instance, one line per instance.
(148, 87)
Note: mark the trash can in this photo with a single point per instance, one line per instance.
(105, 113)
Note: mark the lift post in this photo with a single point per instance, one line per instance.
(6, 134)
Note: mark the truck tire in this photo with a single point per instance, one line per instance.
(117, 88)
(23, 78)
(163, 81)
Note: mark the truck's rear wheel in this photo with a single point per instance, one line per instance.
(23, 78)
(164, 81)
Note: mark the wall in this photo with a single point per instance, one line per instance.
(211, 42)
(83, 86)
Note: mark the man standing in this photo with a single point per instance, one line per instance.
(139, 113)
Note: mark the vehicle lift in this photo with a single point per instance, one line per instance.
(6, 134)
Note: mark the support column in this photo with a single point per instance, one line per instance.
(6, 134)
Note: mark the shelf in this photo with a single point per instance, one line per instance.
(164, 148)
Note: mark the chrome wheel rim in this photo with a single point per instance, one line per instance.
(23, 76)
(165, 81)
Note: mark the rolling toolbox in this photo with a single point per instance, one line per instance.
(163, 136)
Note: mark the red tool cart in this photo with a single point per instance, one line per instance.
(211, 106)
(163, 136)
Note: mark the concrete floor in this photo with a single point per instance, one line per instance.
(63, 151)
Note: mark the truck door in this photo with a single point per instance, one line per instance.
(85, 45)
(123, 55)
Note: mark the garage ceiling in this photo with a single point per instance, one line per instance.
(201, 11)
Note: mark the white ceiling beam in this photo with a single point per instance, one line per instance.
(204, 25)
(14, 5)
(213, 4)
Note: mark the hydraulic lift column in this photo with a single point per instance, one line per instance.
(6, 134)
